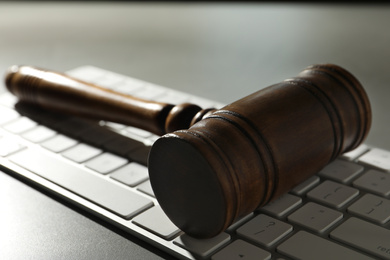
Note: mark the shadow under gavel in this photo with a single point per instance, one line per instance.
(215, 166)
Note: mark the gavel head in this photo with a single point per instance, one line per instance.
(250, 152)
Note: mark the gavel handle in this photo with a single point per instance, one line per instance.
(62, 93)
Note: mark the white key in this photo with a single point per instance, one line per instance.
(202, 247)
(365, 236)
(241, 250)
(155, 221)
(7, 115)
(315, 217)
(146, 188)
(106, 163)
(131, 174)
(87, 73)
(81, 153)
(377, 158)
(8, 100)
(352, 155)
(59, 143)
(20, 125)
(9, 145)
(306, 246)
(39, 134)
(264, 230)
(110, 195)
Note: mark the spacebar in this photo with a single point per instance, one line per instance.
(118, 199)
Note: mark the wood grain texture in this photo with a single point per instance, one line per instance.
(254, 150)
(231, 161)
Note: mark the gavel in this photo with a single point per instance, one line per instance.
(212, 167)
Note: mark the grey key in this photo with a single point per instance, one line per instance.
(365, 236)
(282, 205)
(333, 194)
(155, 221)
(305, 186)
(264, 230)
(341, 171)
(81, 152)
(374, 181)
(315, 217)
(377, 158)
(306, 246)
(202, 247)
(372, 208)
(105, 163)
(131, 174)
(241, 250)
(114, 197)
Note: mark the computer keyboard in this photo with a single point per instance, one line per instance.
(343, 212)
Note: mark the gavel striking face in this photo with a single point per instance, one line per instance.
(229, 162)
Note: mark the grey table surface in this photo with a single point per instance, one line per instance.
(219, 51)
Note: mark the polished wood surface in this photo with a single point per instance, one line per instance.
(230, 161)
(59, 92)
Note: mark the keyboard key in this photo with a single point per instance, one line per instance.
(8, 100)
(282, 205)
(374, 181)
(7, 115)
(146, 188)
(20, 125)
(114, 197)
(39, 134)
(131, 174)
(9, 145)
(140, 154)
(372, 208)
(139, 132)
(377, 158)
(306, 246)
(341, 171)
(352, 155)
(74, 126)
(81, 153)
(97, 136)
(264, 230)
(364, 236)
(333, 194)
(315, 217)
(241, 250)
(155, 221)
(59, 143)
(121, 145)
(202, 247)
(305, 186)
(105, 163)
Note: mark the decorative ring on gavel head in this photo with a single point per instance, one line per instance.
(252, 151)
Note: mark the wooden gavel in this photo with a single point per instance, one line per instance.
(229, 162)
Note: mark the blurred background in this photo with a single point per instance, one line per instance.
(222, 51)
